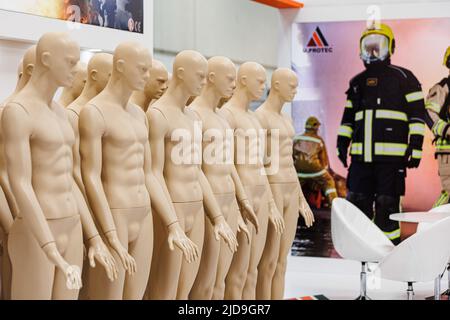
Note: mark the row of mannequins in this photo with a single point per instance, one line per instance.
(106, 194)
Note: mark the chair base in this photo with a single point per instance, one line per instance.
(446, 293)
(363, 298)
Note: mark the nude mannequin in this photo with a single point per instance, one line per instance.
(24, 72)
(117, 175)
(155, 87)
(6, 221)
(45, 242)
(242, 277)
(69, 94)
(222, 176)
(284, 184)
(188, 187)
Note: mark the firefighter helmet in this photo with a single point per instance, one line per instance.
(377, 43)
(447, 58)
(312, 123)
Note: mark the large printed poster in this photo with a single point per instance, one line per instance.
(126, 15)
(326, 57)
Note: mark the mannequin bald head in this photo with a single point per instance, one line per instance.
(29, 61)
(57, 56)
(79, 79)
(284, 84)
(132, 63)
(158, 82)
(190, 69)
(252, 78)
(20, 70)
(99, 71)
(222, 76)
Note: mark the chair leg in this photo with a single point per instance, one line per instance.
(363, 285)
(447, 292)
(437, 288)
(410, 291)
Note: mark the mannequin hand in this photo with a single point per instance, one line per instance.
(178, 238)
(128, 261)
(222, 229)
(306, 213)
(276, 218)
(248, 214)
(242, 227)
(72, 273)
(98, 251)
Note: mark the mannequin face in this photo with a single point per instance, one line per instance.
(159, 80)
(63, 65)
(195, 77)
(79, 80)
(287, 87)
(256, 84)
(225, 81)
(137, 69)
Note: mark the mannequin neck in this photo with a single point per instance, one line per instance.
(89, 92)
(210, 97)
(66, 97)
(22, 82)
(241, 100)
(177, 95)
(274, 103)
(118, 89)
(140, 99)
(41, 86)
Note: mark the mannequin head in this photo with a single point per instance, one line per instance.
(158, 82)
(28, 62)
(79, 80)
(252, 78)
(222, 76)
(20, 70)
(99, 71)
(132, 63)
(189, 70)
(57, 57)
(284, 84)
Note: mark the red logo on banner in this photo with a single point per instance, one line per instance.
(318, 43)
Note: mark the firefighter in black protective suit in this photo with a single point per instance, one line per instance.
(384, 126)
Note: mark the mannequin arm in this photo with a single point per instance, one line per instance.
(4, 181)
(73, 119)
(91, 130)
(6, 219)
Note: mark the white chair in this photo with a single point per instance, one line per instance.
(356, 237)
(422, 257)
(424, 226)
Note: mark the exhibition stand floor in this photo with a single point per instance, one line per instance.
(338, 279)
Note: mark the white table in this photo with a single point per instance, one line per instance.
(419, 217)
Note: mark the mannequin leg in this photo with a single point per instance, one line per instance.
(291, 215)
(158, 242)
(84, 292)
(141, 250)
(261, 204)
(204, 283)
(268, 263)
(237, 274)
(71, 247)
(166, 265)
(5, 271)
(195, 230)
(226, 256)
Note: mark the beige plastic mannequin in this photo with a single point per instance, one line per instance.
(170, 129)
(222, 176)
(116, 170)
(242, 277)
(69, 94)
(155, 87)
(6, 221)
(284, 184)
(10, 210)
(47, 232)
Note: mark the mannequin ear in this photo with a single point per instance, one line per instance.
(45, 59)
(180, 73)
(94, 74)
(120, 66)
(29, 69)
(276, 85)
(212, 77)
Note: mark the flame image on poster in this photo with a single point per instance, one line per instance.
(124, 15)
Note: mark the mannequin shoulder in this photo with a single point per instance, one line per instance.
(157, 121)
(137, 112)
(227, 114)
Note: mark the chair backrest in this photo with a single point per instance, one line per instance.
(441, 209)
(355, 236)
(420, 258)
